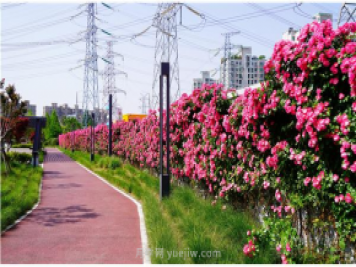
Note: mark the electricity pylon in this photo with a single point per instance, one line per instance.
(226, 74)
(91, 86)
(347, 13)
(145, 103)
(109, 81)
(166, 50)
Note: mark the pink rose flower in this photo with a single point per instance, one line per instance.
(266, 184)
(348, 198)
(278, 195)
(335, 177)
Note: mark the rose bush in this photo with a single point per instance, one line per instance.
(288, 146)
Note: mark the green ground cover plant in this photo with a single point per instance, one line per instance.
(19, 191)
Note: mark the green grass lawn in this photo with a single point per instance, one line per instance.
(19, 191)
(182, 222)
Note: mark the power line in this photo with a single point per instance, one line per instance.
(19, 27)
(9, 6)
(251, 36)
(274, 16)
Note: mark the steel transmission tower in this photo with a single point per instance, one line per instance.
(226, 74)
(145, 103)
(91, 86)
(109, 81)
(347, 13)
(166, 50)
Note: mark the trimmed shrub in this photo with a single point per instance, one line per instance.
(28, 145)
(115, 163)
(19, 157)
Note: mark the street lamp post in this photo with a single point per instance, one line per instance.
(73, 138)
(164, 177)
(110, 125)
(92, 138)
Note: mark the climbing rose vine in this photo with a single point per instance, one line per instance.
(288, 147)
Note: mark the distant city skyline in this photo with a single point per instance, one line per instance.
(35, 58)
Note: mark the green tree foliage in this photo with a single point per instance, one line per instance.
(87, 118)
(29, 113)
(11, 109)
(70, 124)
(53, 127)
(46, 130)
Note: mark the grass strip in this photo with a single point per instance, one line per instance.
(19, 192)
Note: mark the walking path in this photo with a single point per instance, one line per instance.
(80, 219)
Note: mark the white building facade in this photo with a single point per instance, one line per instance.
(243, 69)
(205, 79)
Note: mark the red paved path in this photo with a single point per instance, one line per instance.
(80, 220)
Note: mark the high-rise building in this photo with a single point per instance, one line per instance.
(320, 17)
(291, 35)
(30, 108)
(66, 111)
(205, 79)
(244, 69)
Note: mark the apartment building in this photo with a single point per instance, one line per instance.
(205, 79)
(243, 69)
(30, 108)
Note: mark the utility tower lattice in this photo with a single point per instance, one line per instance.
(91, 86)
(166, 50)
(347, 13)
(226, 74)
(109, 81)
(145, 103)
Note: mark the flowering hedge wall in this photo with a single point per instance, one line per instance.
(289, 146)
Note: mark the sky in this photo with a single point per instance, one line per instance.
(42, 46)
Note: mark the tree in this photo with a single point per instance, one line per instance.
(11, 109)
(20, 128)
(87, 118)
(55, 126)
(29, 113)
(46, 130)
(70, 124)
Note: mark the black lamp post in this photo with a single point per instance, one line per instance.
(164, 177)
(92, 138)
(110, 125)
(73, 138)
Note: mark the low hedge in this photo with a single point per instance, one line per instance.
(19, 157)
(27, 145)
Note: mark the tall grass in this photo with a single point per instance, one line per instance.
(19, 192)
(184, 221)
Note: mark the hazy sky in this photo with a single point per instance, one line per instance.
(41, 72)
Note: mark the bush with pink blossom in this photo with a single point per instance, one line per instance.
(288, 146)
